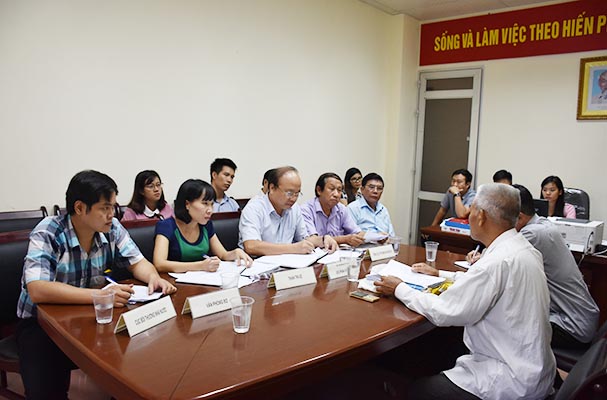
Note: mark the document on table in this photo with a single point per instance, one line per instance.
(212, 278)
(464, 264)
(330, 258)
(293, 260)
(141, 294)
(403, 272)
(374, 236)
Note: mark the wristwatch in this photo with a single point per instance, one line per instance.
(458, 194)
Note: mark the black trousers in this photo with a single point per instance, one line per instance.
(45, 370)
(437, 387)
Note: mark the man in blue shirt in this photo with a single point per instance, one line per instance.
(273, 224)
(223, 171)
(368, 213)
(65, 263)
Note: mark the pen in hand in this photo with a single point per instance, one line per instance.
(475, 251)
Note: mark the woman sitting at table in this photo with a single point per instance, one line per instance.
(183, 242)
(148, 199)
(352, 184)
(554, 192)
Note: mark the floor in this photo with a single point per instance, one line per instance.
(82, 387)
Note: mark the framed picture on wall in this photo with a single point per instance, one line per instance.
(592, 93)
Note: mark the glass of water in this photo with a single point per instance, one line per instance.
(241, 313)
(104, 306)
(431, 250)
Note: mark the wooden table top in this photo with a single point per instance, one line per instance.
(297, 335)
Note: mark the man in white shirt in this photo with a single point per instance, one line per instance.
(502, 303)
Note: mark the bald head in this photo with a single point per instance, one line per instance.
(501, 203)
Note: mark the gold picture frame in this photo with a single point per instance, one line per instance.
(592, 93)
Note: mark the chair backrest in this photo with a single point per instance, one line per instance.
(58, 211)
(12, 256)
(20, 220)
(588, 378)
(580, 200)
(142, 233)
(226, 228)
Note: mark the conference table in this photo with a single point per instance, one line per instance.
(297, 337)
(593, 267)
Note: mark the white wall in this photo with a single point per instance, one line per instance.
(528, 126)
(122, 86)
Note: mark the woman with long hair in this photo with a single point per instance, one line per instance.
(148, 199)
(352, 184)
(554, 191)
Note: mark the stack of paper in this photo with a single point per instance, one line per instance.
(293, 260)
(404, 273)
(330, 258)
(212, 278)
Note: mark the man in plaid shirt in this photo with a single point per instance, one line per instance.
(65, 264)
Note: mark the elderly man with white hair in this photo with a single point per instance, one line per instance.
(502, 302)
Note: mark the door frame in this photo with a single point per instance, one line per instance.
(423, 95)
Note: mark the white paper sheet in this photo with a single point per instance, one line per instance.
(293, 260)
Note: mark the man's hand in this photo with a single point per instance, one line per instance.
(387, 285)
(329, 243)
(303, 247)
(424, 268)
(157, 283)
(454, 190)
(356, 239)
(473, 257)
(122, 293)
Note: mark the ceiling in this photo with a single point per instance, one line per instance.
(425, 10)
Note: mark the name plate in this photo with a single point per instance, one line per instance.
(292, 278)
(209, 303)
(381, 252)
(336, 269)
(145, 317)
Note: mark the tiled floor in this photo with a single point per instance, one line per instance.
(82, 387)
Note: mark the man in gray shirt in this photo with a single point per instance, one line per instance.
(573, 313)
(458, 198)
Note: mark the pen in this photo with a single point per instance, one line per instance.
(475, 251)
(111, 281)
(414, 286)
(242, 271)
(205, 256)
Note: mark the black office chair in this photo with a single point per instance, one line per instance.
(58, 211)
(580, 201)
(567, 358)
(588, 379)
(9, 362)
(11, 221)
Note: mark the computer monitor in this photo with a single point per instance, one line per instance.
(541, 207)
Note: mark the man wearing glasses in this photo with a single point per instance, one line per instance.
(368, 213)
(273, 224)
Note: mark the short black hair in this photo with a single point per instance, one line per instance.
(89, 187)
(267, 176)
(191, 190)
(464, 172)
(527, 207)
(372, 176)
(322, 181)
(502, 174)
(278, 173)
(219, 163)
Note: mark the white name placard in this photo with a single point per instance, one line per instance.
(381, 252)
(336, 269)
(292, 278)
(145, 317)
(209, 303)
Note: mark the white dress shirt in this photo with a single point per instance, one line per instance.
(503, 304)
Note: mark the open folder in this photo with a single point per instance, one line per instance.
(293, 260)
(403, 272)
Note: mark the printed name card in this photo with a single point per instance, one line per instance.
(381, 252)
(292, 278)
(145, 317)
(336, 269)
(209, 303)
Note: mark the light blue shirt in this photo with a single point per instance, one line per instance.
(260, 221)
(370, 220)
(227, 204)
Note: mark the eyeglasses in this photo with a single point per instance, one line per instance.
(356, 179)
(375, 187)
(153, 186)
(290, 194)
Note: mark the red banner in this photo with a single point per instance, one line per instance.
(560, 28)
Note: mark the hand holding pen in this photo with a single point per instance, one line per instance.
(122, 292)
(210, 264)
(473, 256)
